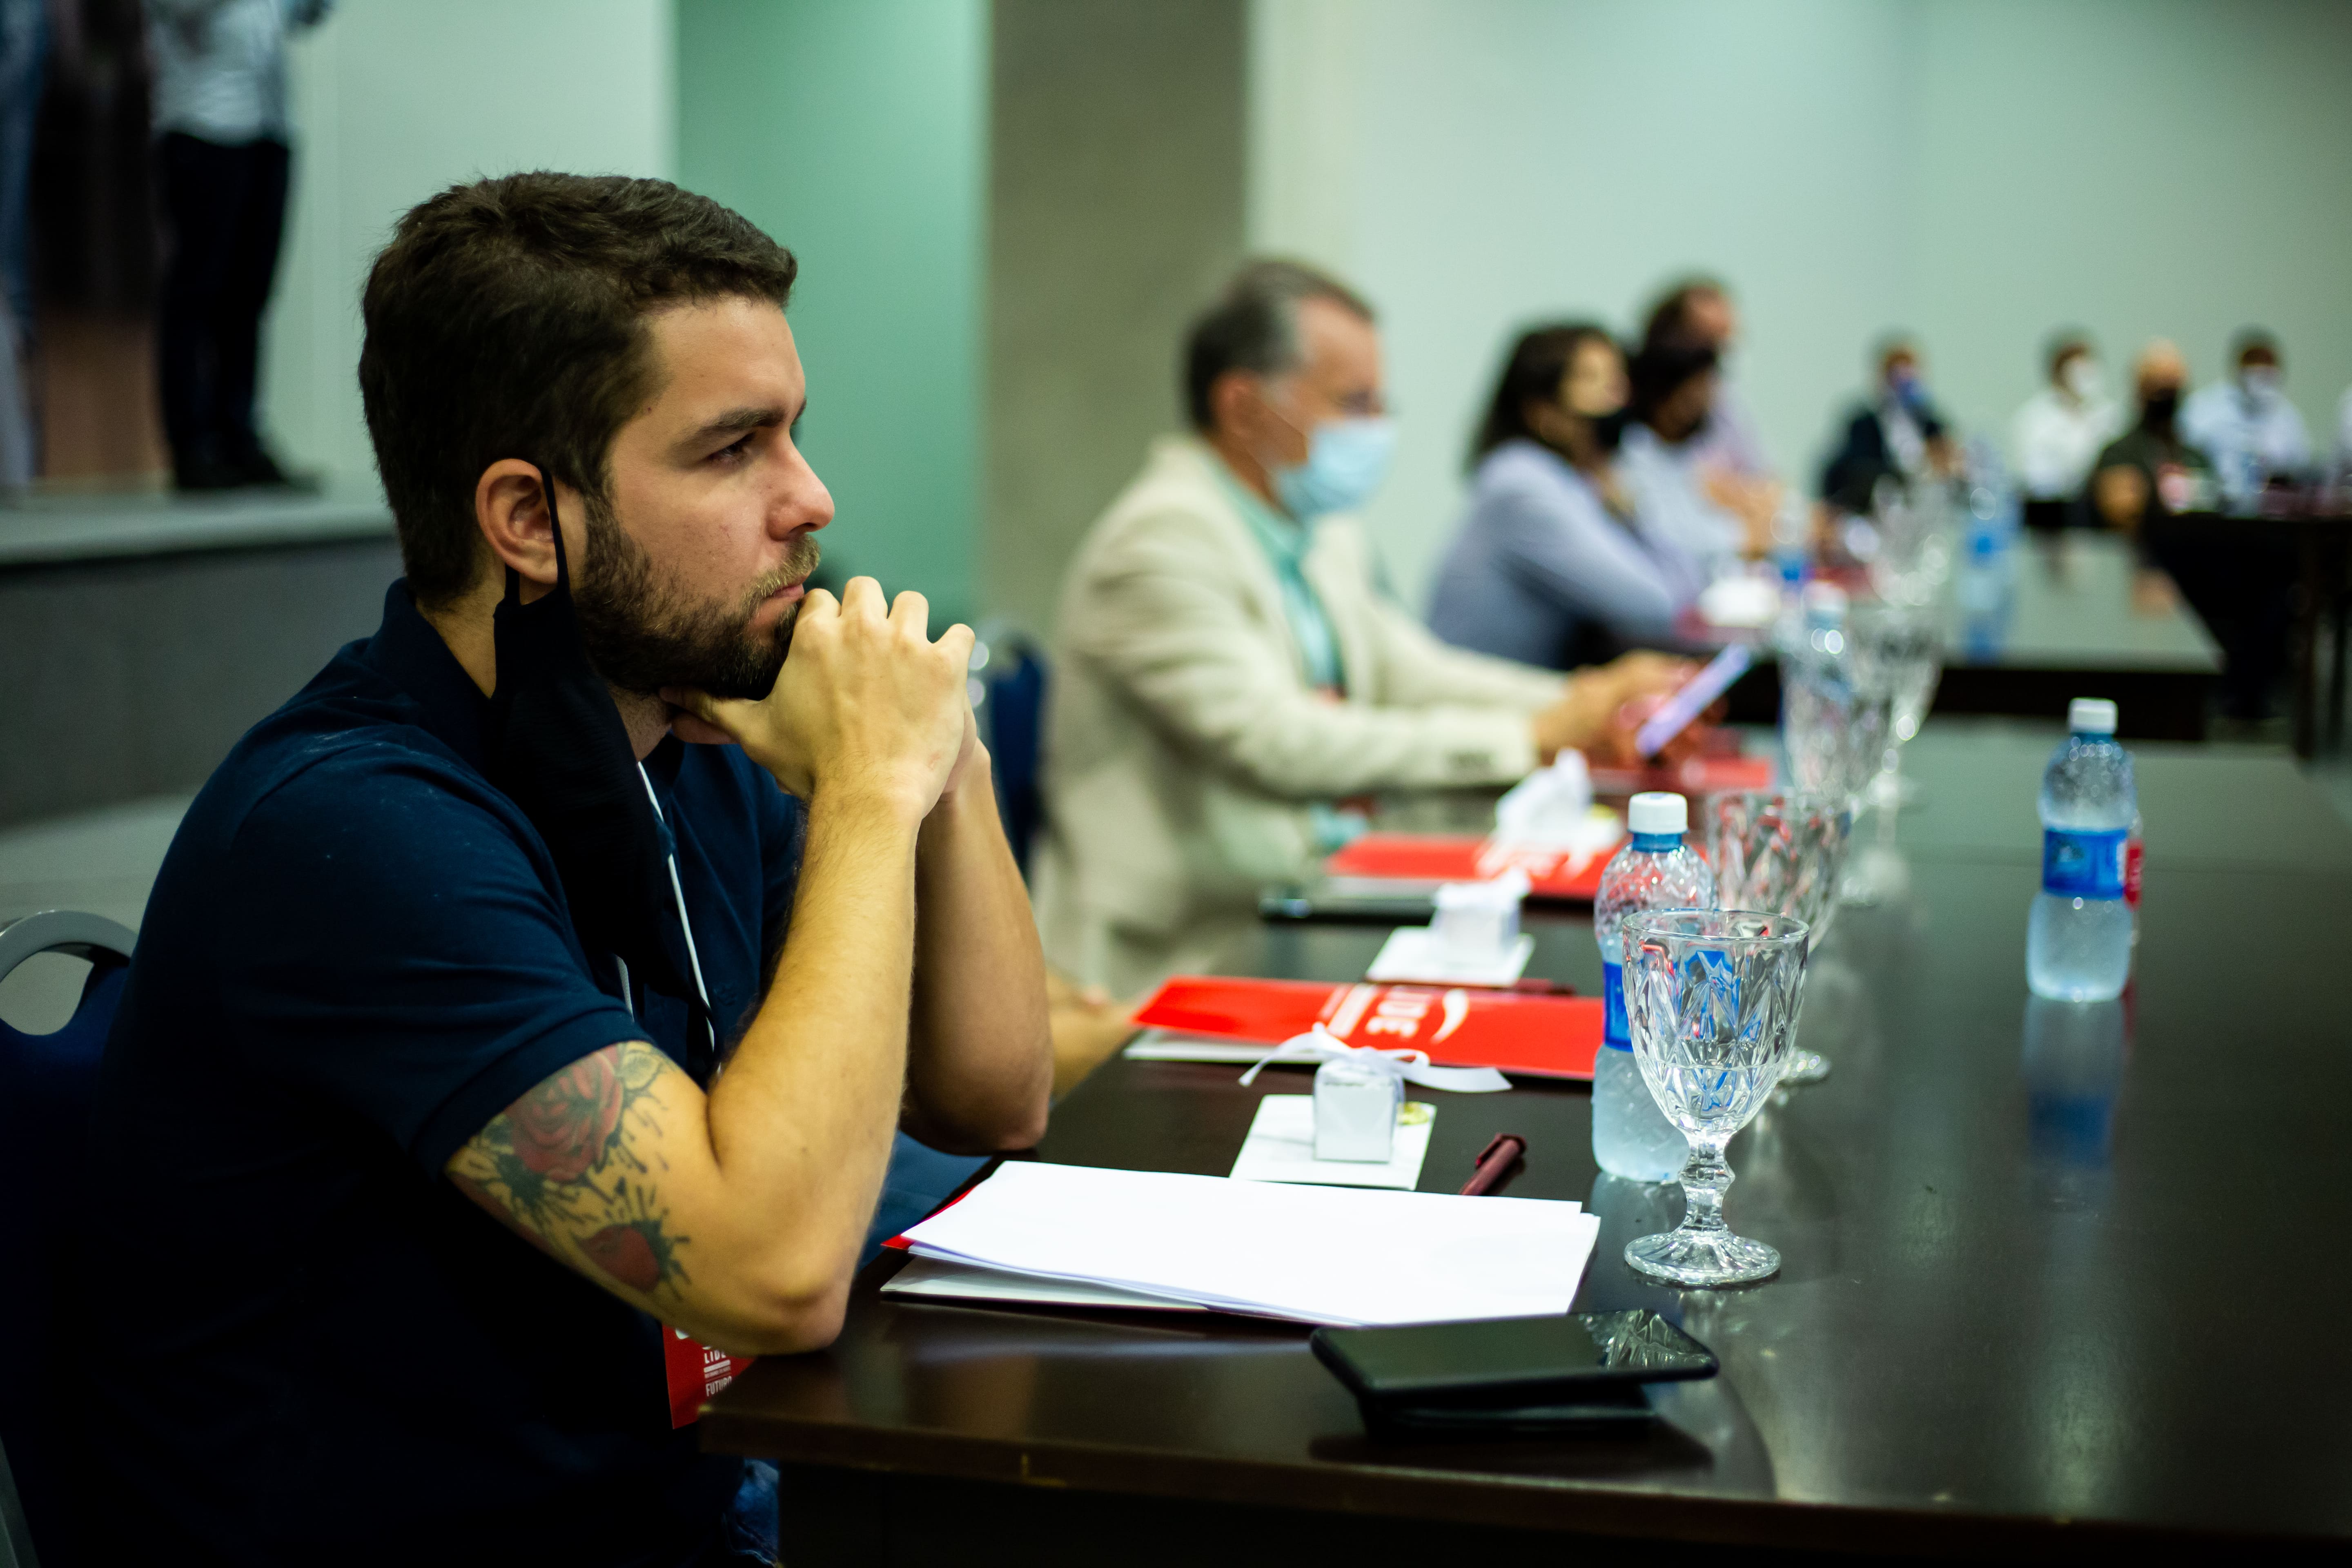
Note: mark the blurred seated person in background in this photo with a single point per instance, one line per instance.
(2057, 433)
(1554, 560)
(1895, 434)
(1699, 314)
(2238, 587)
(2150, 472)
(412, 1109)
(2244, 425)
(1672, 392)
(1230, 673)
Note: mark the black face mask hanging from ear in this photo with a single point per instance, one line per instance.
(558, 748)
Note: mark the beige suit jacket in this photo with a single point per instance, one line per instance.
(1184, 741)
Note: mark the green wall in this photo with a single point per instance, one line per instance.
(855, 134)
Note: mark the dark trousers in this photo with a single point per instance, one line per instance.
(226, 210)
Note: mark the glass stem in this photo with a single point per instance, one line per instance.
(1704, 1180)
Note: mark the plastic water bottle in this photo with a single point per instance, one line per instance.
(1657, 870)
(1791, 533)
(1986, 590)
(2078, 942)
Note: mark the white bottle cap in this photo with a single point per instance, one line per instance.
(1825, 604)
(2090, 716)
(1657, 812)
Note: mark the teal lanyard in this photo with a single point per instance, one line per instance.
(1286, 545)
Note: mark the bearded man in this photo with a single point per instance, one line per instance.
(424, 1213)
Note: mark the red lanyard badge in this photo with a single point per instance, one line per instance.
(696, 1373)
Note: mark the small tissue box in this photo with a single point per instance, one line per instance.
(1355, 1110)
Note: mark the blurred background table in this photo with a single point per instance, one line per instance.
(2067, 629)
(2044, 1287)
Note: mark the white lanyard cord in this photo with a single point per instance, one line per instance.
(678, 891)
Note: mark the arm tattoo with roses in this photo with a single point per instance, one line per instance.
(563, 1165)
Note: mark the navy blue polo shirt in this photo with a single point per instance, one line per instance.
(303, 1344)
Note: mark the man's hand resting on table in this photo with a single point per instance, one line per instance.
(1587, 716)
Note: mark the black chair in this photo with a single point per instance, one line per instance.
(46, 1084)
(1010, 673)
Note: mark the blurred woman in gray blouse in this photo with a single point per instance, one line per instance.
(1554, 557)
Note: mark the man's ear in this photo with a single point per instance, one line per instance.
(1235, 402)
(510, 509)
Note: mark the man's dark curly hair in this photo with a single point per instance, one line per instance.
(506, 319)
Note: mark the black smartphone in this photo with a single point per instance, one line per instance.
(1510, 1361)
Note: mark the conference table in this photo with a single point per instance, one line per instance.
(2055, 1279)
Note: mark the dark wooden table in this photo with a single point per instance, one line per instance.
(2045, 1289)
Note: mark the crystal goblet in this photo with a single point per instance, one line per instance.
(1783, 852)
(1711, 996)
(1834, 724)
(1899, 648)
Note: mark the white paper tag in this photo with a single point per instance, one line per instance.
(1281, 1148)
(1414, 955)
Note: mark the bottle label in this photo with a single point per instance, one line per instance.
(1615, 1033)
(2079, 864)
(2131, 872)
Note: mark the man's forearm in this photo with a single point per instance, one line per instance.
(979, 1049)
(801, 1121)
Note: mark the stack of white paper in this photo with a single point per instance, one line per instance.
(1316, 1255)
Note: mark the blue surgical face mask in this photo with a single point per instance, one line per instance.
(1346, 461)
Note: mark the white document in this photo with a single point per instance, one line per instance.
(1281, 1148)
(1168, 1046)
(1315, 1254)
(968, 1282)
(1416, 954)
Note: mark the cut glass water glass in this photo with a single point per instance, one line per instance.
(1711, 996)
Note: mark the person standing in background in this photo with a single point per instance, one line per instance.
(221, 161)
(2344, 439)
(2244, 424)
(2055, 437)
(24, 43)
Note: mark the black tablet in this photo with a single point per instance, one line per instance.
(1509, 1362)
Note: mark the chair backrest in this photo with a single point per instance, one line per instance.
(46, 1085)
(1013, 717)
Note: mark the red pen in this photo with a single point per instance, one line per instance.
(1494, 1162)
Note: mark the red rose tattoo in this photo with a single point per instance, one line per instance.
(627, 1254)
(561, 1127)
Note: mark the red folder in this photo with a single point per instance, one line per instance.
(1537, 1036)
(1458, 857)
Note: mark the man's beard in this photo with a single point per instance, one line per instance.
(643, 634)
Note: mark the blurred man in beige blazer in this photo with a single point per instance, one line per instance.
(1229, 672)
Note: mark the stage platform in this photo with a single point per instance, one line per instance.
(140, 635)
